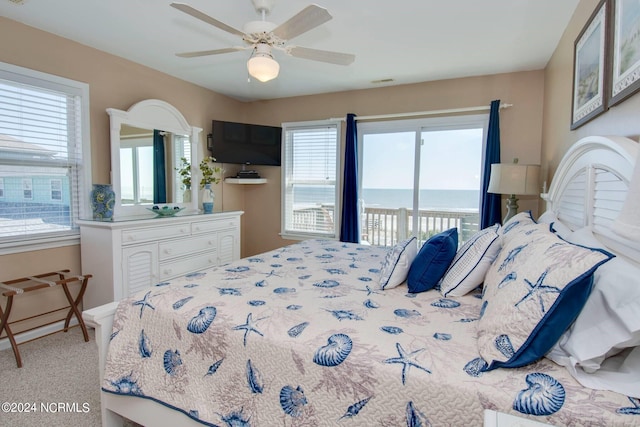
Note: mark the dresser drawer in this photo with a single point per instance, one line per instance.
(207, 226)
(137, 235)
(175, 248)
(178, 267)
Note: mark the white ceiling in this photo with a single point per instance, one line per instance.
(408, 41)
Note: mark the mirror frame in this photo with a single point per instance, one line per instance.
(149, 114)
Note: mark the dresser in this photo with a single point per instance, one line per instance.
(127, 256)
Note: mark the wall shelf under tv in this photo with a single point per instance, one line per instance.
(245, 180)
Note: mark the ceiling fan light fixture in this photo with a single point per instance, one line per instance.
(261, 65)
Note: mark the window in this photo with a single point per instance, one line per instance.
(420, 177)
(43, 137)
(56, 189)
(310, 180)
(27, 189)
(181, 149)
(136, 170)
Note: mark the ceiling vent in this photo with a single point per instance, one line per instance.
(375, 82)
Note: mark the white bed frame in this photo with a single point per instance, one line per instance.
(588, 189)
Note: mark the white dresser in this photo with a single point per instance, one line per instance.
(127, 256)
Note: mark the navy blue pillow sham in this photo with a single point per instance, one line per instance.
(432, 261)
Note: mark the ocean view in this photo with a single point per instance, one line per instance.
(397, 198)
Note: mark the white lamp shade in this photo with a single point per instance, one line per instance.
(263, 67)
(512, 178)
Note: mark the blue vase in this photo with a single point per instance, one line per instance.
(103, 199)
(207, 199)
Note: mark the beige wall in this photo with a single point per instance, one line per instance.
(520, 126)
(114, 83)
(535, 129)
(622, 119)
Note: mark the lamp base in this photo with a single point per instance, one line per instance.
(512, 208)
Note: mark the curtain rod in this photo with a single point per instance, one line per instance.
(425, 113)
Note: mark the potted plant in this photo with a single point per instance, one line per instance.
(185, 176)
(210, 175)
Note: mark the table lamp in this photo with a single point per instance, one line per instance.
(512, 179)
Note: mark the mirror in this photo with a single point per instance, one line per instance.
(147, 144)
(149, 160)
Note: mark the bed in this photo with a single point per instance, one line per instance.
(304, 335)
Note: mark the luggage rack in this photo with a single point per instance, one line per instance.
(16, 287)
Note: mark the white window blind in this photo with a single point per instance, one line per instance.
(41, 163)
(310, 179)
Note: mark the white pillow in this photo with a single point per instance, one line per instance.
(470, 265)
(549, 217)
(397, 263)
(609, 321)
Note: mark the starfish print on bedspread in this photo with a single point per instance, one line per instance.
(406, 360)
(271, 274)
(538, 290)
(369, 291)
(144, 302)
(249, 326)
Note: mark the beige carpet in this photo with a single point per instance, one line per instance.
(59, 373)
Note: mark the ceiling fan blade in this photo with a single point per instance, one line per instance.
(209, 52)
(321, 55)
(305, 20)
(206, 18)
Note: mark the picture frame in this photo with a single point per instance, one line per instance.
(590, 68)
(624, 51)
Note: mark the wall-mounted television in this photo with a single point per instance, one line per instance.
(245, 144)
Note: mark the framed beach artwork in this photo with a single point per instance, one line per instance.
(625, 49)
(589, 68)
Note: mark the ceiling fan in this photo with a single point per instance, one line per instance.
(263, 36)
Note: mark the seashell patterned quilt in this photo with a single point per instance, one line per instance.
(303, 336)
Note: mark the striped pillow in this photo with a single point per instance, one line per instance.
(470, 265)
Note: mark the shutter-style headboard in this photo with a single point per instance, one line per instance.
(590, 186)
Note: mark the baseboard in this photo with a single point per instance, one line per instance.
(23, 337)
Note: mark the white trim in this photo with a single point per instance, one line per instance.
(286, 126)
(33, 334)
(30, 245)
(81, 89)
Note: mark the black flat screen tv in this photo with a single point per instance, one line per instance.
(245, 144)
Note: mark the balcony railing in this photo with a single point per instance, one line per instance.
(386, 227)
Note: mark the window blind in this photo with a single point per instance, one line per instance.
(310, 179)
(40, 157)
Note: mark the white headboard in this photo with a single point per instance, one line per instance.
(590, 186)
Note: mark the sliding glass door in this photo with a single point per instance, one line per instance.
(420, 177)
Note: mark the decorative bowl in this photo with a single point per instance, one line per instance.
(165, 210)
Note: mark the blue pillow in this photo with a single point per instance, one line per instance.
(432, 261)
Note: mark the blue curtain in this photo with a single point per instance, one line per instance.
(350, 224)
(491, 211)
(159, 181)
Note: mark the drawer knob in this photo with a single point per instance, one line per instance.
(168, 250)
(167, 271)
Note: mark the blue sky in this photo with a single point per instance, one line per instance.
(450, 160)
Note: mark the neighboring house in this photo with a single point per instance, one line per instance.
(24, 196)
